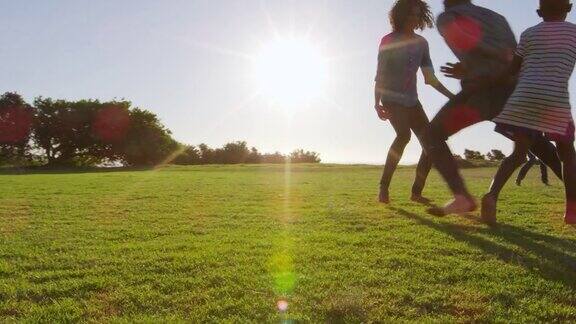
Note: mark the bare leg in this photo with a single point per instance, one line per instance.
(394, 154)
(447, 122)
(505, 171)
(543, 173)
(547, 153)
(524, 171)
(422, 171)
(420, 124)
(568, 157)
(509, 166)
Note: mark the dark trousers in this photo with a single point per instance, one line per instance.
(406, 120)
(467, 108)
(532, 161)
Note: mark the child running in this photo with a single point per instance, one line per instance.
(540, 104)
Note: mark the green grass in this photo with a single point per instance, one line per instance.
(225, 244)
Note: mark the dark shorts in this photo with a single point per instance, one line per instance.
(518, 133)
(404, 119)
(470, 107)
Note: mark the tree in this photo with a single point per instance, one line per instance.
(473, 155)
(301, 156)
(16, 121)
(84, 132)
(206, 154)
(274, 158)
(495, 156)
(147, 142)
(190, 156)
(63, 129)
(235, 153)
(254, 157)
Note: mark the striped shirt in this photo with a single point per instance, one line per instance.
(480, 38)
(541, 100)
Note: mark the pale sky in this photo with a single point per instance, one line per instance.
(191, 62)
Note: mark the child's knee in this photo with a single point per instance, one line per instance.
(403, 138)
(517, 158)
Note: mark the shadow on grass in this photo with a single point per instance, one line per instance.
(54, 170)
(542, 254)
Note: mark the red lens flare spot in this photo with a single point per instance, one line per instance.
(461, 118)
(15, 124)
(568, 136)
(463, 34)
(111, 124)
(282, 306)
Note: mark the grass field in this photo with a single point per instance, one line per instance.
(226, 244)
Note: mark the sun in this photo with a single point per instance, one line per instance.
(291, 71)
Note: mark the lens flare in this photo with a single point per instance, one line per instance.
(15, 124)
(460, 118)
(463, 34)
(291, 71)
(282, 306)
(111, 124)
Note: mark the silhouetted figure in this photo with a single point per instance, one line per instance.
(540, 108)
(532, 161)
(484, 43)
(402, 53)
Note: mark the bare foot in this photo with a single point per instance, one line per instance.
(460, 205)
(488, 212)
(384, 197)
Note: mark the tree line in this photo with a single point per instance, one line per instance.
(492, 156)
(475, 159)
(67, 133)
(240, 153)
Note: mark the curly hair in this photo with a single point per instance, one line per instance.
(402, 9)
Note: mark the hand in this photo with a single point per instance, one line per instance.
(382, 112)
(454, 70)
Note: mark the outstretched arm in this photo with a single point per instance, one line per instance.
(431, 80)
(428, 71)
(458, 71)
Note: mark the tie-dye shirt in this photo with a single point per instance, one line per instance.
(399, 60)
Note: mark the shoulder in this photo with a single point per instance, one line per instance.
(545, 29)
(386, 40)
(488, 12)
(445, 18)
(421, 41)
(529, 31)
(568, 26)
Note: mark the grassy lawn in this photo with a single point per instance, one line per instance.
(228, 243)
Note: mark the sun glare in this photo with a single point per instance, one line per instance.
(291, 71)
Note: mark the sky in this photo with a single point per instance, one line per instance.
(192, 63)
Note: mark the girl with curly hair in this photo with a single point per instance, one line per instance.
(402, 53)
